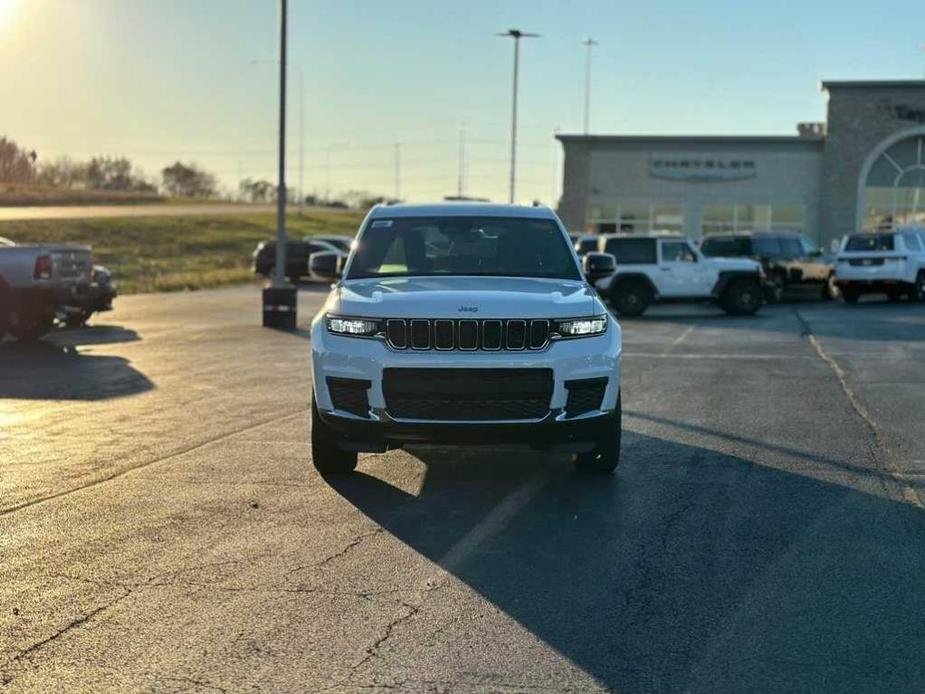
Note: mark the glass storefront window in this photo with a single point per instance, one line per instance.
(894, 191)
(667, 218)
(634, 217)
(787, 216)
(728, 219)
(718, 219)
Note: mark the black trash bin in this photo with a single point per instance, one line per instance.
(279, 308)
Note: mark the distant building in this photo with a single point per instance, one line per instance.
(861, 169)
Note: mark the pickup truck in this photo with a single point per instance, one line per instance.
(35, 281)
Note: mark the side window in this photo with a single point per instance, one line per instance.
(725, 247)
(791, 247)
(632, 251)
(767, 247)
(912, 242)
(677, 252)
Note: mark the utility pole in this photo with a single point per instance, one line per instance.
(397, 171)
(279, 299)
(301, 141)
(515, 34)
(327, 174)
(589, 43)
(461, 170)
(301, 128)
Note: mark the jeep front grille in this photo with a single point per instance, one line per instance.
(482, 395)
(446, 334)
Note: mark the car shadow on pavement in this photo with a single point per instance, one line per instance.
(93, 335)
(690, 570)
(47, 371)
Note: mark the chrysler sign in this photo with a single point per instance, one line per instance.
(701, 169)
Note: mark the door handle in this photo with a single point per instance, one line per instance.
(666, 269)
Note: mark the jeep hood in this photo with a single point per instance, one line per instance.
(745, 264)
(463, 297)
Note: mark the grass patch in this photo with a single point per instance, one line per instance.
(150, 254)
(18, 194)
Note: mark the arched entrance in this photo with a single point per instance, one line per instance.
(891, 188)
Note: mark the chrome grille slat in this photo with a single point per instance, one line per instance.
(468, 334)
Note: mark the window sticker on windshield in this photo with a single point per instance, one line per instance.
(380, 223)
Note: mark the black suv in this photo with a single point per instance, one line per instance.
(297, 254)
(789, 259)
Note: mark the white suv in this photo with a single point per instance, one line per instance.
(891, 263)
(666, 269)
(464, 323)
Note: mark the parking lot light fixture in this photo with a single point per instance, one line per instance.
(280, 298)
(515, 34)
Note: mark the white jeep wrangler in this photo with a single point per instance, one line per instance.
(667, 269)
(468, 324)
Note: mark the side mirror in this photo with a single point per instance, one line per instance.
(598, 265)
(328, 265)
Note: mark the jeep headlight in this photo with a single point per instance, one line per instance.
(582, 327)
(362, 327)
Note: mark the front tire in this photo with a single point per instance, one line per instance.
(605, 456)
(327, 457)
(917, 293)
(29, 328)
(630, 298)
(742, 297)
(850, 295)
(77, 320)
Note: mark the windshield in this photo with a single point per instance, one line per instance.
(477, 246)
(870, 242)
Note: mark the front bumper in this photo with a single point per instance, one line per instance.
(574, 435)
(335, 356)
(872, 286)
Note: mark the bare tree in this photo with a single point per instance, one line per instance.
(16, 165)
(188, 181)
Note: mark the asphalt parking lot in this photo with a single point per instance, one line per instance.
(162, 529)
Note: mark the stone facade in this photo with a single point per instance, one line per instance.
(862, 116)
(690, 173)
(823, 170)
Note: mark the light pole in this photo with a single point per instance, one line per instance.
(589, 43)
(279, 299)
(515, 34)
(301, 126)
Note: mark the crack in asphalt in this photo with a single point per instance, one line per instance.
(72, 625)
(373, 650)
(339, 553)
(879, 446)
(116, 474)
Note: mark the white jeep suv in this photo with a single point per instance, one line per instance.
(670, 269)
(891, 263)
(464, 323)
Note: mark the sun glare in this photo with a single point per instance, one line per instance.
(7, 8)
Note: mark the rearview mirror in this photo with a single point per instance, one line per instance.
(328, 265)
(598, 265)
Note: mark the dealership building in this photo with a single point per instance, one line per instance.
(864, 168)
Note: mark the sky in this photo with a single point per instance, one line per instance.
(161, 80)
